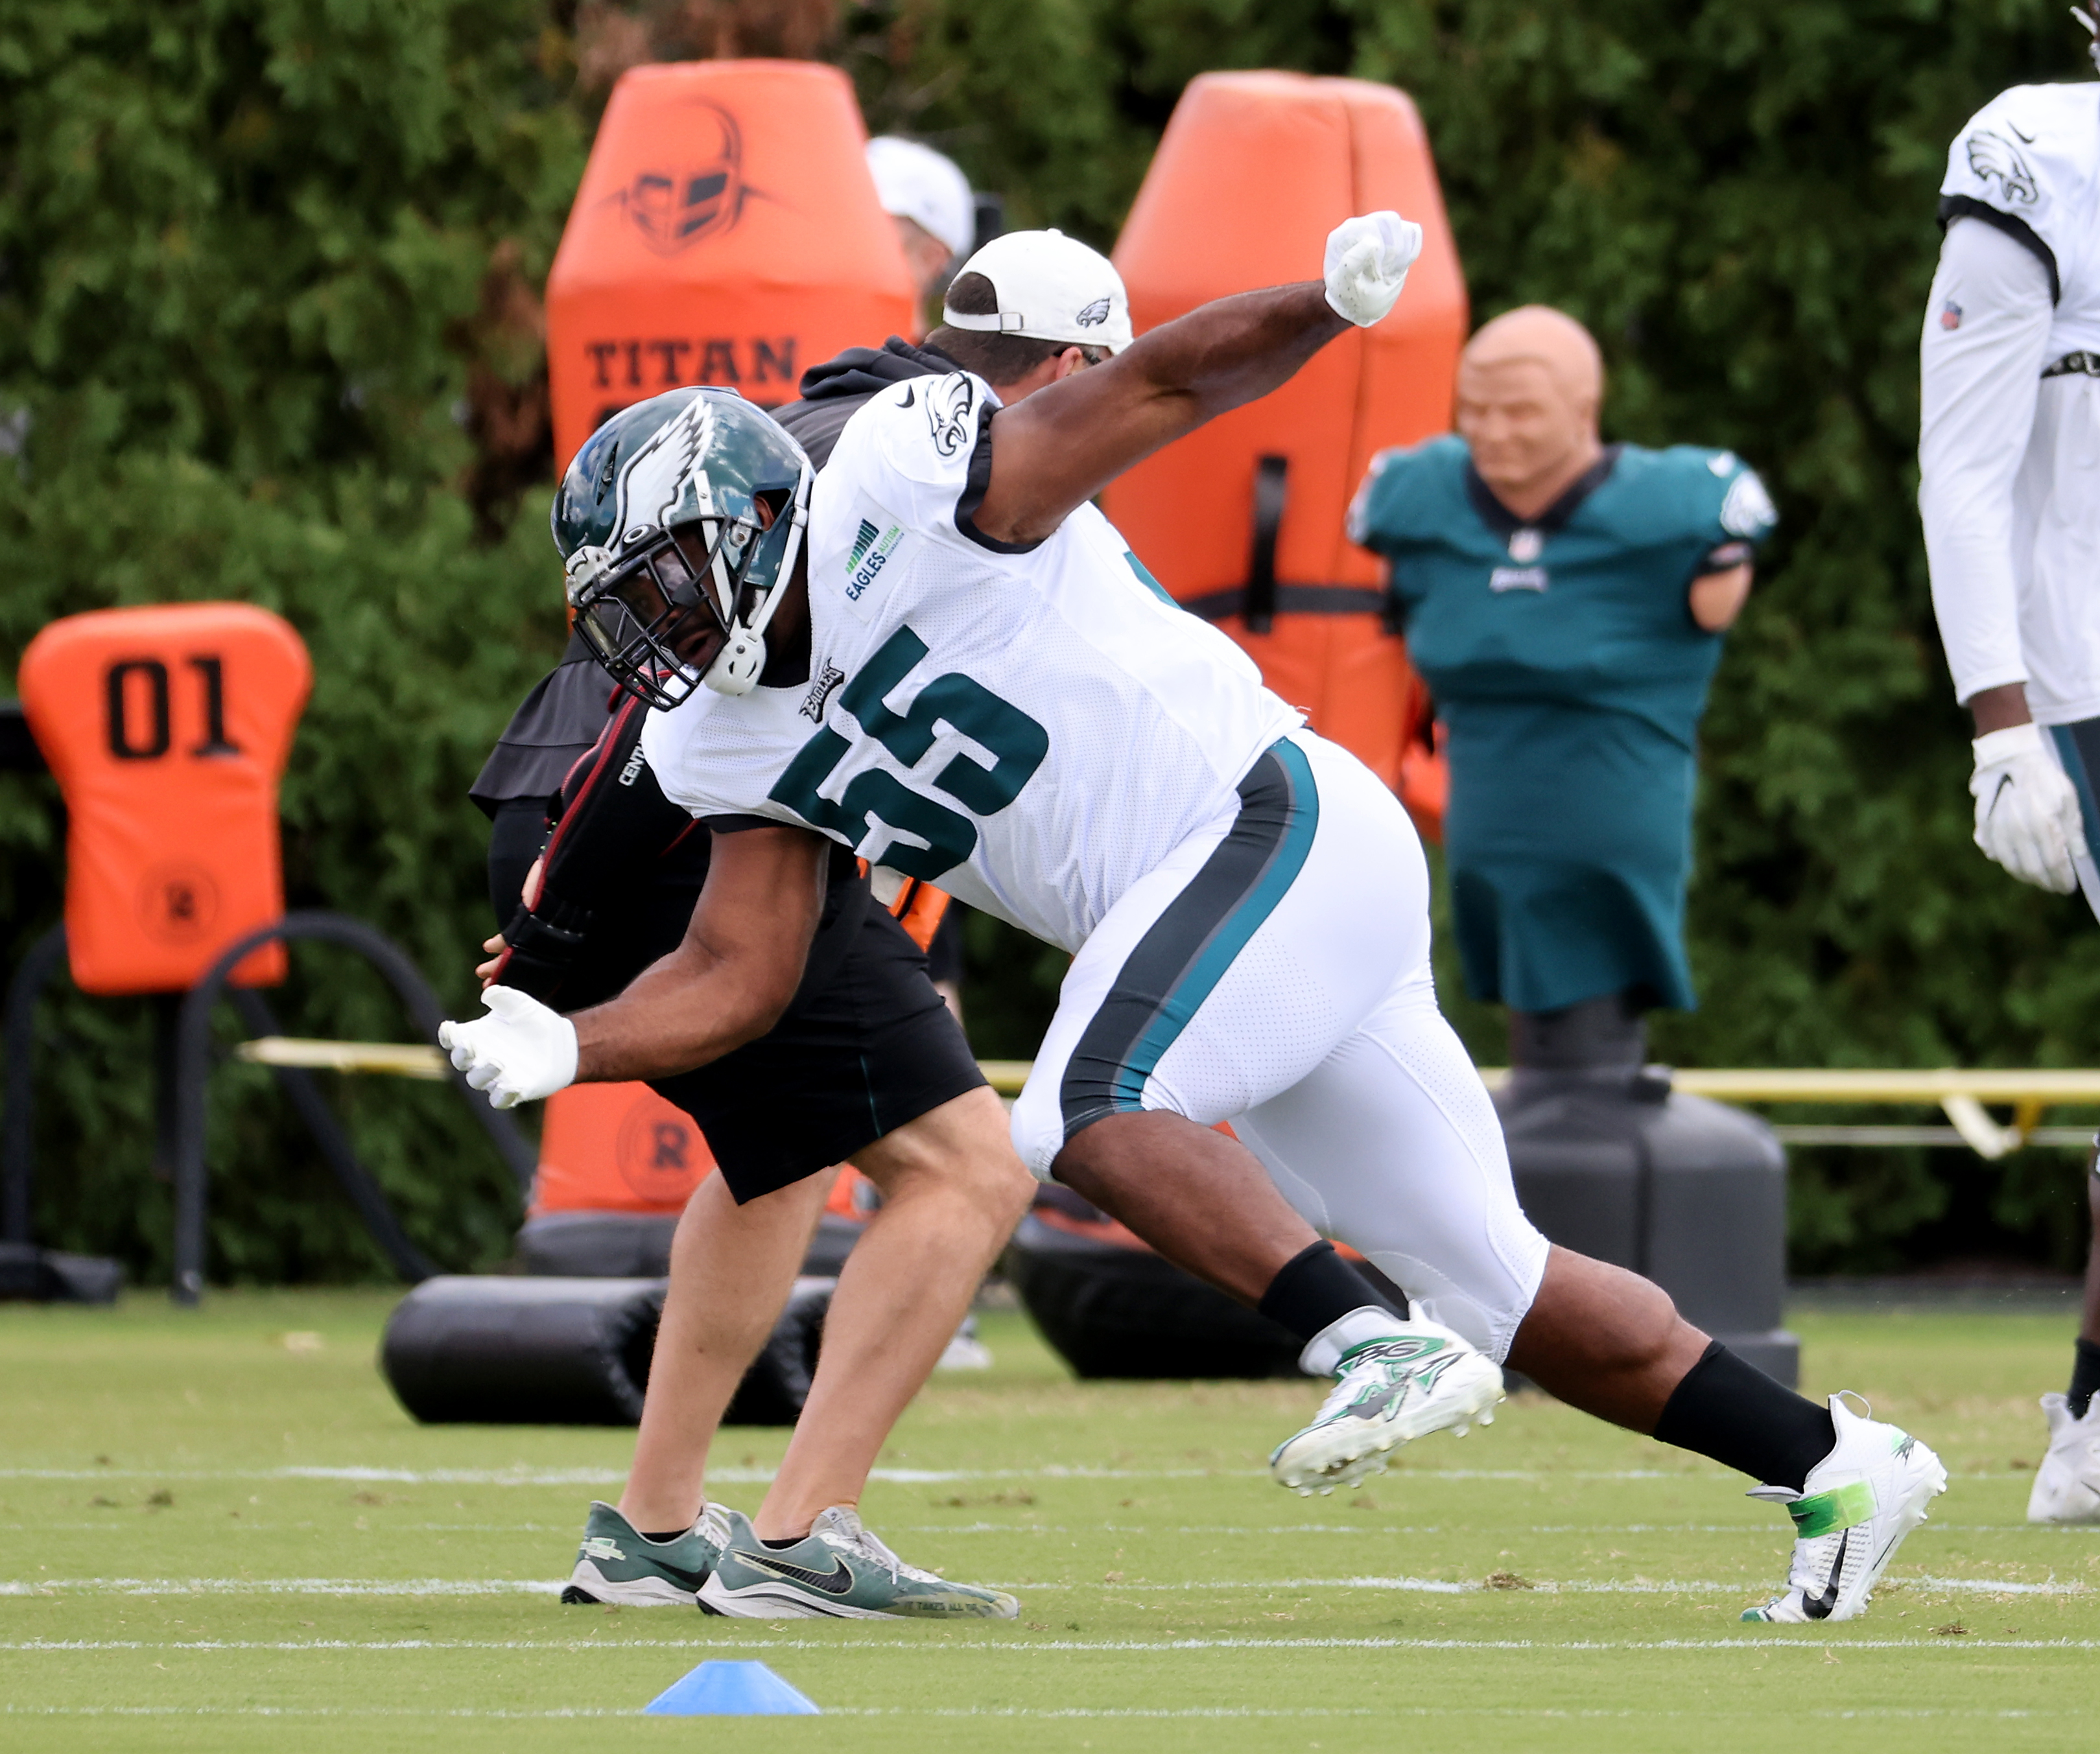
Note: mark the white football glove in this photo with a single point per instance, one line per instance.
(1368, 258)
(519, 1052)
(2026, 811)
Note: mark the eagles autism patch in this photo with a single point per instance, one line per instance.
(870, 553)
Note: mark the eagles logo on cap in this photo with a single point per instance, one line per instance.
(1049, 286)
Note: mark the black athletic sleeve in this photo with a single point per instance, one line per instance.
(615, 823)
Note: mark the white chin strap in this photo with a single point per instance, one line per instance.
(736, 667)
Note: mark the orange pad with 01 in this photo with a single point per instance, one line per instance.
(168, 728)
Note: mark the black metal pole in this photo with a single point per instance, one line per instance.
(356, 1180)
(18, 1148)
(167, 1009)
(193, 1068)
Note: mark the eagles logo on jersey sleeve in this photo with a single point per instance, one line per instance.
(951, 413)
(2026, 164)
(1746, 509)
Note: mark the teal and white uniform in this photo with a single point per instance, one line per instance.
(1040, 732)
(1566, 667)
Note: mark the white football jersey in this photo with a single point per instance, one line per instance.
(1032, 728)
(2009, 441)
(2029, 161)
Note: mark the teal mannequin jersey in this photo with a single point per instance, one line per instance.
(1571, 676)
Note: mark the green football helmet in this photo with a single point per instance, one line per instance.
(681, 514)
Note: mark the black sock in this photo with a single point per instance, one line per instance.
(1315, 1288)
(1730, 1410)
(668, 1535)
(2084, 1378)
(782, 1546)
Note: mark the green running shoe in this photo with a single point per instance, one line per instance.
(838, 1571)
(617, 1566)
(1388, 1392)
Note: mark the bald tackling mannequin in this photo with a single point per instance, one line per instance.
(1530, 385)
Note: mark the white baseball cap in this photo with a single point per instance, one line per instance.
(1049, 286)
(916, 182)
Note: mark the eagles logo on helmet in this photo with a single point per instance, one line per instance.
(682, 517)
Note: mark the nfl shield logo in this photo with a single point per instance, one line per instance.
(1525, 546)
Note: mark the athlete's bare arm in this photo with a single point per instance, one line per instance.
(1056, 450)
(1717, 598)
(735, 974)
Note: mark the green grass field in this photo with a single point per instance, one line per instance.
(220, 1532)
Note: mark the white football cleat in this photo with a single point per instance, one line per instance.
(1850, 1517)
(1404, 1384)
(2066, 1487)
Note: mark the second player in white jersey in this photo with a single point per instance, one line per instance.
(2009, 456)
(2008, 447)
(1034, 729)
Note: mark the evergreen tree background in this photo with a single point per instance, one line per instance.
(270, 329)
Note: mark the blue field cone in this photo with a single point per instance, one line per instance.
(717, 1689)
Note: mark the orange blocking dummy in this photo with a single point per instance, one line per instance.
(621, 1148)
(618, 1147)
(726, 231)
(1243, 519)
(168, 728)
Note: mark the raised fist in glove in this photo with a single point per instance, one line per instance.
(2026, 811)
(519, 1052)
(1368, 258)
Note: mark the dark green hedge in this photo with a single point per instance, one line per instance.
(248, 248)
(267, 272)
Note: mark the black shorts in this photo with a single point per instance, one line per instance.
(867, 1046)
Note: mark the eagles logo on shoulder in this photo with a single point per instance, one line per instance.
(951, 407)
(1748, 510)
(1991, 155)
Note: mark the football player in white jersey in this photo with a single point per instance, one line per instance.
(2009, 487)
(973, 680)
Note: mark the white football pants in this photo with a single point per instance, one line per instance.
(1273, 971)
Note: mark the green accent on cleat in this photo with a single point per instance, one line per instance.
(1388, 1392)
(1826, 1513)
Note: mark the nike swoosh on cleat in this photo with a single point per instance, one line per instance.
(911, 395)
(838, 1581)
(1820, 1608)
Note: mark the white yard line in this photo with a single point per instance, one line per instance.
(1434, 1586)
(283, 1586)
(527, 1476)
(1080, 1712)
(1812, 1639)
(523, 1475)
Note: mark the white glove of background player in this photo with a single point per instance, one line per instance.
(519, 1052)
(1368, 258)
(2026, 811)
